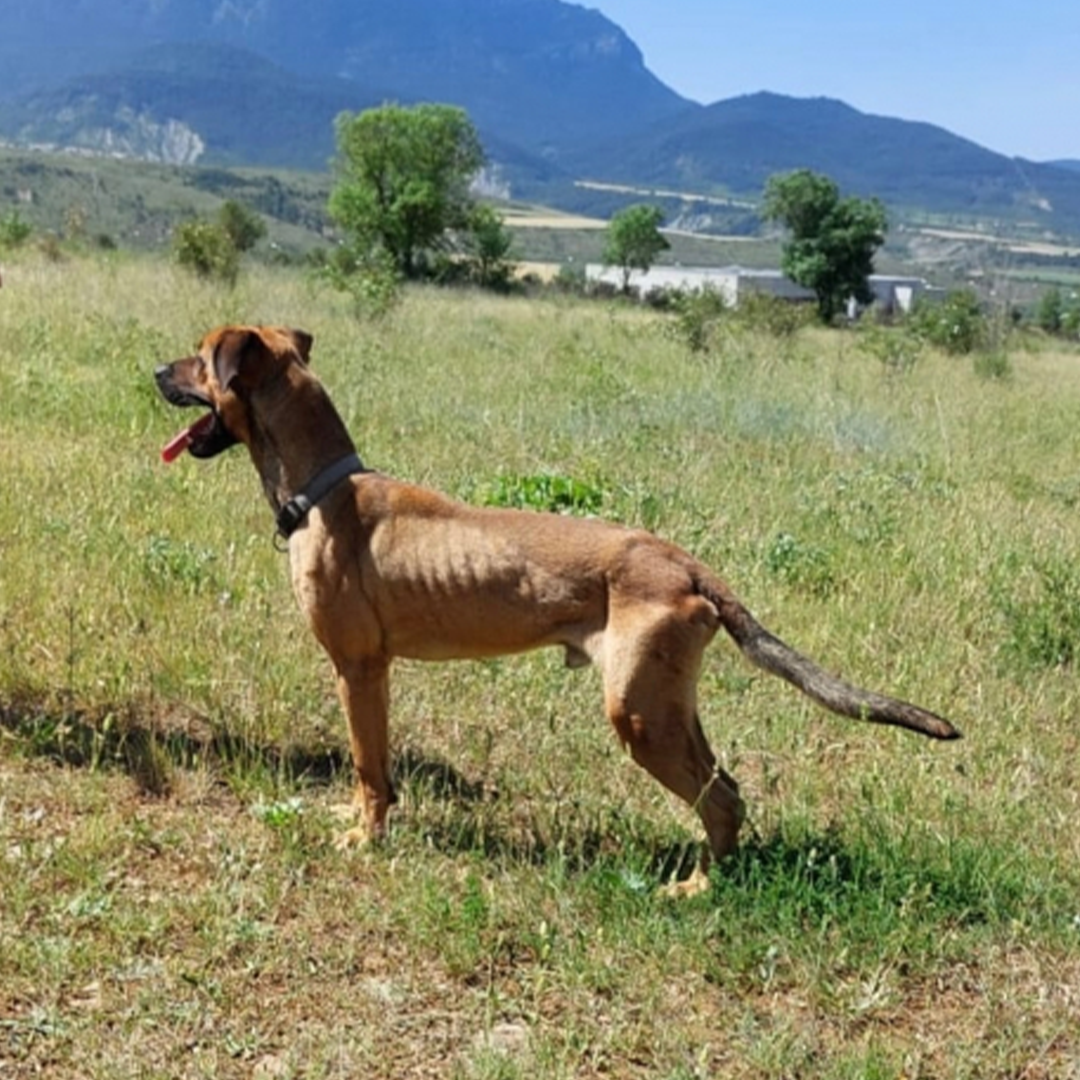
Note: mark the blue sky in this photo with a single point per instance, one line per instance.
(1006, 75)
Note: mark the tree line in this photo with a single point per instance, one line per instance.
(403, 201)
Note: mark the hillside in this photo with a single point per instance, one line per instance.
(136, 204)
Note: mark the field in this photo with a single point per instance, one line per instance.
(171, 753)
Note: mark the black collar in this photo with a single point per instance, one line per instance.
(292, 515)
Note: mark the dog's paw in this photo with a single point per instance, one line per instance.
(353, 839)
(696, 884)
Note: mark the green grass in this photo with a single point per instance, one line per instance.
(171, 903)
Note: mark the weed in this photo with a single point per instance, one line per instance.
(546, 491)
(800, 564)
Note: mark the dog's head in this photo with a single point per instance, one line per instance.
(232, 364)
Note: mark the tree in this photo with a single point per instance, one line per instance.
(832, 240)
(487, 243)
(634, 240)
(1051, 311)
(403, 176)
(243, 226)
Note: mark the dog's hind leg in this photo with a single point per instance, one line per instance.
(364, 690)
(650, 698)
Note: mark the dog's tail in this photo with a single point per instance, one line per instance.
(769, 653)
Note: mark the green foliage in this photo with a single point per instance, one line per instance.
(634, 240)
(772, 315)
(993, 363)
(697, 314)
(174, 564)
(897, 349)
(1050, 310)
(369, 278)
(546, 491)
(570, 279)
(956, 324)
(242, 226)
(487, 243)
(403, 176)
(1057, 314)
(207, 250)
(1070, 319)
(212, 249)
(800, 564)
(832, 240)
(14, 231)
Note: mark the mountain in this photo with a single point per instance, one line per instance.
(734, 146)
(179, 105)
(558, 92)
(540, 74)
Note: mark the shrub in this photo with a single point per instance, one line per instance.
(956, 324)
(697, 314)
(1049, 313)
(14, 232)
(773, 315)
(206, 249)
(369, 278)
(242, 226)
(896, 349)
(571, 280)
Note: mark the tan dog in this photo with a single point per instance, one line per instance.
(384, 569)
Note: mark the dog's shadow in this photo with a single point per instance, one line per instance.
(444, 809)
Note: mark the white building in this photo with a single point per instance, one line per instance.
(891, 293)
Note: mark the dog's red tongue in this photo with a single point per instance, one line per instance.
(177, 445)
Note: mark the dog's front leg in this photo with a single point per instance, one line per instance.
(364, 689)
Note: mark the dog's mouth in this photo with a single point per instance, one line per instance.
(192, 438)
(205, 438)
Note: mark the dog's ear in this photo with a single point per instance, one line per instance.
(230, 354)
(301, 342)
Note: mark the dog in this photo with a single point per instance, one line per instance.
(383, 569)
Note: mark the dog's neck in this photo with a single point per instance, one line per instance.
(317, 436)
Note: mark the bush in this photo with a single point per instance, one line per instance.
(956, 324)
(207, 250)
(697, 314)
(1050, 310)
(897, 349)
(14, 232)
(369, 278)
(773, 315)
(242, 226)
(571, 280)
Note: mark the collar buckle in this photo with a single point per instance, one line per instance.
(295, 510)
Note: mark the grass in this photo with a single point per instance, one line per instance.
(171, 903)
